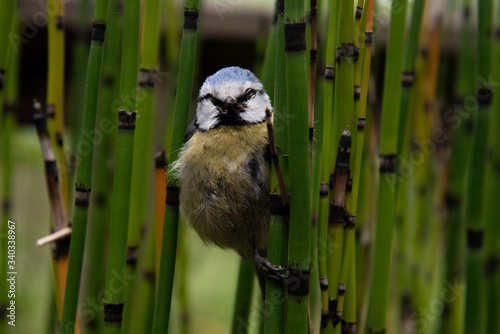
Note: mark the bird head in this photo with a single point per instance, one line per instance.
(233, 96)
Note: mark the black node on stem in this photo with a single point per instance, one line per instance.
(60, 247)
(132, 254)
(368, 38)
(387, 163)
(295, 37)
(298, 281)
(160, 159)
(350, 221)
(172, 197)
(98, 32)
(126, 120)
(330, 73)
(359, 12)
(82, 196)
(113, 312)
(408, 78)
(337, 214)
(484, 96)
(323, 283)
(475, 239)
(59, 22)
(147, 78)
(323, 190)
(361, 123)
(191, 19)
(276, 206)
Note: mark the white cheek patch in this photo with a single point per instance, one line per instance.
(255, 112)
(206, 115)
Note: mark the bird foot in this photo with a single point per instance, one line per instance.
(264, 266)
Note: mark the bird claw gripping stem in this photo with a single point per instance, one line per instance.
(264, 266)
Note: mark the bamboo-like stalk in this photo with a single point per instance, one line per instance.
(431, 186)
(182, 277)
(56, 200)
(55, 87)
(8, 63)
(420, 190)
(408, 77)
(170, 227)
(348, 118)
(316, 151)
(366, 217)
(160, 193)
(298, 139)
(143, 164)
(490, 206)
(141, 318)
(142, 169)
(326, 168)
(84, 173)
(275, 292)
(8, 129)
(337, 220)
(78, 68)
(120, 203)
(378, 300)
(362, 76)
(313, 50)
(474, 308)
(363, 23)
(455, 273)
(405, 229)
(6, 11)
(103, 173)
(267, 74)
(173, 41)
(243, 297)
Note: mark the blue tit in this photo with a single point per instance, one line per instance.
(223, 169)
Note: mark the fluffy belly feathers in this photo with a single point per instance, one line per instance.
(224, 181)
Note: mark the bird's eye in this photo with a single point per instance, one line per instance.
(210, 98)
(249, 93)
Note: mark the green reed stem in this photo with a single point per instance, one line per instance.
(405, 237)
(103, 174)
(6, 11)
(243, 297)
(453, 321)
(78, 68)
(141, 318)
(474, 307)
(379, 292)
(298, 141)
(348, 119)
(327, 153)
(490, 207)
(142, 169)
(120, 202)
(267, 74)
(8, 125)
(181, 112)
(277, 249)
(84, 173)
(143, 163)
(173, 42)
(55, 86)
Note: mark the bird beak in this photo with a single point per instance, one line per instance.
(229, 104)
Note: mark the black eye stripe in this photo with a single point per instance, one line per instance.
(247, 95)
